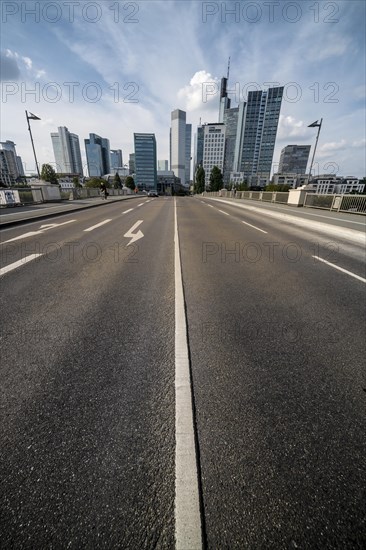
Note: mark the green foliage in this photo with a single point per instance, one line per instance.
(95, 183)
(75, 181)
(199, 185)
(216, 179)
(130, 183)
(243, 186)
(281, 187)
(117, 183)
(48, 174)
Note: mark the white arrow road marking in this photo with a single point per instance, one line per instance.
(42, 229)
(48, 226)
(23, 261)
(98, 225)
(134, 236)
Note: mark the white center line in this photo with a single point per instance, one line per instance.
(254, 227)
(223, 212)
(97, 225)
(188, 531)
(125, 212)
(19, 263)
(341, 269)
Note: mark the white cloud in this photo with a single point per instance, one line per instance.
(203, 88)
(28, 62)
(289, 127)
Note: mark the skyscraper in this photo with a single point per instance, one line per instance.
(131, 163)
(213, 148)
(225, 101)
(98, 155)
(116, 159)
(11, 162)
(261, 122)
(198, 148)
(163, 165)
(294, 159)
(188, 153)
(145, 161)
(178, 144)
(66, 148)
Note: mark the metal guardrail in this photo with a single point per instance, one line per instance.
(354, 204)
(265, 196)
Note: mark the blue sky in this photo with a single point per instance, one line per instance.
(114, 68)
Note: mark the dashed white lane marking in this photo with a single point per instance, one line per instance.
(125, 212)
(188, 530)
(341, 269)
(254, 227)
(141, 204)
(223, 212)
(19, 263)
(97, 225)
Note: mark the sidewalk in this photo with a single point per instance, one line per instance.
(21, 214)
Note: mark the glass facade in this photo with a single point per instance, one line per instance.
(145, 161)
(294, 159)
(261, 122)
(98, 155)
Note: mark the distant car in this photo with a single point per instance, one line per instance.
(152, 193)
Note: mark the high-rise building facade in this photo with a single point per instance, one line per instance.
(163, 165)
(98, 155)
(225, 101)
(178, 144)
(213, 148)
(11, 163)
(294, 159)
(145, 161)
(66, 148)
(116, 159)
(261, 123)
(131, 163)
(198, 148)
(188, 153)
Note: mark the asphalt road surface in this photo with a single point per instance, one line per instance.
(276, 341)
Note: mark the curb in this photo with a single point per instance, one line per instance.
(45, 216)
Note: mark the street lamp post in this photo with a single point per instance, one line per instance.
(31, 116)
(314, 125)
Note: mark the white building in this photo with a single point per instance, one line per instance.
(326, 184)
(292, 179)
(213, 148)
(178, 144)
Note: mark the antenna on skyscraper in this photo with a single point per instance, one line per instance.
(228, 69)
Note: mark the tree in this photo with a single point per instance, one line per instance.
(48, 174)
(75, 181)
(243, 186)
(130, 183)
(280, 187)
(117, 183)
(95, 182)
(216, 180)
(199, 185)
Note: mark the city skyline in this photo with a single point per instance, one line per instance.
(57, 83)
